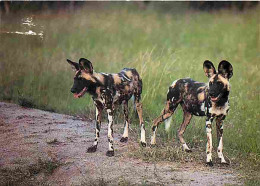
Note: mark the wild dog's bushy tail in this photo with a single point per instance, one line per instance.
(138, 89)
(168, 122)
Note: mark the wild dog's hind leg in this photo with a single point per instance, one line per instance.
(219, 124)
(126, 127)
(186, 120)
(166, 113)
(139, 108)
(93, 148)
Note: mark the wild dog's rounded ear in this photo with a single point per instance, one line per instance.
(75, 66)
(85, 65)
(225, 69)
(209, 68)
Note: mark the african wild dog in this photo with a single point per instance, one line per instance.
(108, 90)
(200, 99)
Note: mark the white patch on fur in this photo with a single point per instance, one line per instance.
(104, 73)
(101, 100)
(109, 132)
(208, 130)
(209, 144)
(219, 110)
(202, 107)
(185, 147)
(96, 142)
(96, 113)
(208, 122)
(125, 134)
(97, 131)
(153, 138)
(110, 146)
(142, 134)
(126, 78)
(110, 118)
(168, 123)
(220, 150)
(209, 157)
(174, 83)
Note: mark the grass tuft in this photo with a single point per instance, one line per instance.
(27, 175)
(53, 142)
(25, 102)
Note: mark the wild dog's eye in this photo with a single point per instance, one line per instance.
(219, 83)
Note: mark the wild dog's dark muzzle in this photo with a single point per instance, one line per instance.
(73, 90)
(215, 96)
(78, 94)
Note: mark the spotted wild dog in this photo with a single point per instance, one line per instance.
(108, 90)
(200, 99)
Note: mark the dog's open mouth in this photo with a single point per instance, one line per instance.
(84, 90)
(215, 99)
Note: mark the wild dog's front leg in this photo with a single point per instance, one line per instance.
(126, 127)
(219, 123)
(209, 141)
(110, 151)
(93, 148)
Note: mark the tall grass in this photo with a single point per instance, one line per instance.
(162, 46)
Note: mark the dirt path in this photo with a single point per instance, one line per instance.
(29, 134)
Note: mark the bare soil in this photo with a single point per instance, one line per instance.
(29, 134)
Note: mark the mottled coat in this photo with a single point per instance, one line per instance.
(107, 91)
(200, 99)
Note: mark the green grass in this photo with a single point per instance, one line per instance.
(162, 43)
(22, 174)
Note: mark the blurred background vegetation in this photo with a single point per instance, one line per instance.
(164, 41)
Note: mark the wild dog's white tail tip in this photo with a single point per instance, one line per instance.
(168, 123)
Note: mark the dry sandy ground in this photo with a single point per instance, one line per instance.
(24, 137)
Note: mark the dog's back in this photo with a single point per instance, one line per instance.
(122, 85)
(190, 94)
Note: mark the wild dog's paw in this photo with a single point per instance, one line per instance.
(110, 153)
(210, 164)
(124, 139)
(188, 150)
(91, 149)
(143, 144)
(224, 163)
